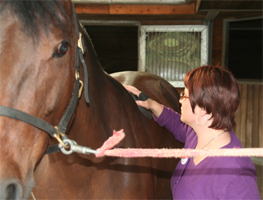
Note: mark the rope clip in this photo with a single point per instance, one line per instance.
(74, 147)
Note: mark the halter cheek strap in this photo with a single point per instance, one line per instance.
(22, 116)
(55, 132)
(80, 52)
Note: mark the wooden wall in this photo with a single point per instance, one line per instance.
(249, 117)
(249, 121)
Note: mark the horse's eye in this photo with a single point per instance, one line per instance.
(61, 49)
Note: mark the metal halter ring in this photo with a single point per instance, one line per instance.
(68, 142)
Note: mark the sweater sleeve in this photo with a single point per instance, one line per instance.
(171, 120)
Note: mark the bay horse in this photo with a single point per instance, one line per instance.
(43, 59)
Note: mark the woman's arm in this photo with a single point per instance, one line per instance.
(169, 119)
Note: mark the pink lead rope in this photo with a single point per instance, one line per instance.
(105, 150)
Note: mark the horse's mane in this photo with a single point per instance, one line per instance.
(38, 13)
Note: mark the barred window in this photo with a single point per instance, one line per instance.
(172, 51)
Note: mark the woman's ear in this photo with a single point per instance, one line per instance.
(200, 111)
(203, 113)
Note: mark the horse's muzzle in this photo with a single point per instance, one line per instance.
(11, 189)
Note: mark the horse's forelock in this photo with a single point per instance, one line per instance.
(36, 14)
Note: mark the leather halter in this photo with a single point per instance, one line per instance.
(59, 131)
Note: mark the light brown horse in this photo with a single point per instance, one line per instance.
(38, 76)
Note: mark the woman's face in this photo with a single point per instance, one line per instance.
(187, 115)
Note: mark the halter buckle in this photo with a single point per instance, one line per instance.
(80, 45)
(81, 88)
(58, 135)
(80, 82)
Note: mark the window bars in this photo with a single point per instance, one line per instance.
(171, 51)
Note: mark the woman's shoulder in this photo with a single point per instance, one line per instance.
(235, 142)
(243, 162)
(237, 173)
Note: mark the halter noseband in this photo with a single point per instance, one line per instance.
(59, 131)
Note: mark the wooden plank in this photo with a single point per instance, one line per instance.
(260, 131)
(243, 110)
(217, 54)
(255, 124)
(237, 129)
(218, 23)
(249, 113)
(217, 46)
(152, 9)
(92, 9)
(135, 9)
(216, 61)
(217, 42)
(217, 36)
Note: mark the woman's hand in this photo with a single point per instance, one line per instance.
(150, 104)
(132, 89)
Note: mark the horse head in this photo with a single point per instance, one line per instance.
(37, 59)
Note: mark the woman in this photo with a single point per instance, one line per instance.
(209, 105)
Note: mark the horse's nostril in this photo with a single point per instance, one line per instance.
(11, 191)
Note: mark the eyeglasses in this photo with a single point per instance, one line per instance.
(182, 96)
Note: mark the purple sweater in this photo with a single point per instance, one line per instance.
(213, 177)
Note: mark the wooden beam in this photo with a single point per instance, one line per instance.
(135, 9)
(92, 9)
(152, 9)
(138, 2)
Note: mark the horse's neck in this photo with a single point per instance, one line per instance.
(101, 85)
(89, 116)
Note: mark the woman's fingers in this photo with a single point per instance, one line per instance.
(144, 104)
(132, 89)
(150, 104)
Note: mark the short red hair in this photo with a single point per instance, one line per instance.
(216, 90)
